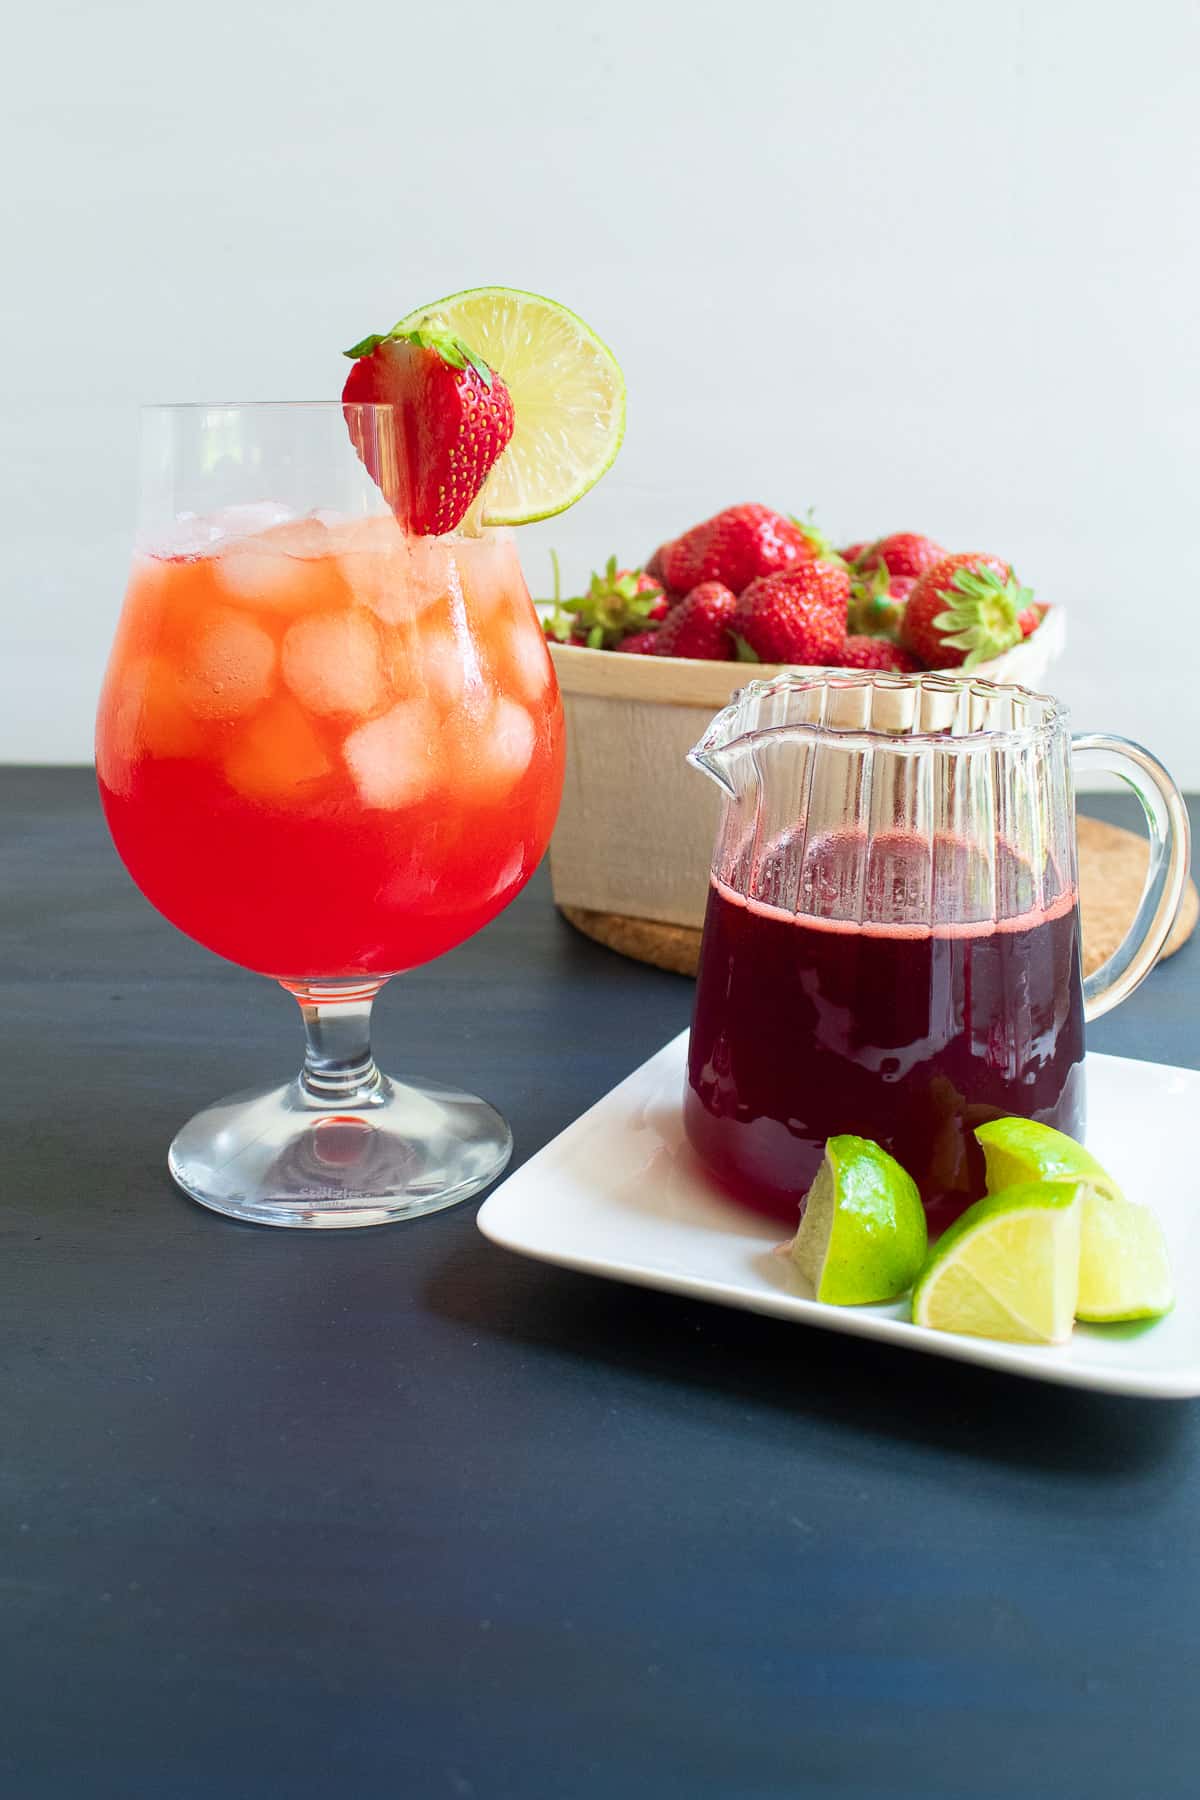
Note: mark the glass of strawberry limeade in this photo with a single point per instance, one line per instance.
(329, 750)
(892, 941)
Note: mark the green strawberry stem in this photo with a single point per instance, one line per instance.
(561, 623)
(982, 615)
(873, 611)
(430, 334)
(820, 545)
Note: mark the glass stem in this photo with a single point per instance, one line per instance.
(339, 1069)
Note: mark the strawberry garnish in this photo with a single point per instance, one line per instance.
(638, 643)
(698, 625)
(452, 417)
(796, 616)
(963, 611)
(860, 652)
(852, 552)
(903, 553)
(735, 547)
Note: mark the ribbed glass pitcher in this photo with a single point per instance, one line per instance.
(892, 941)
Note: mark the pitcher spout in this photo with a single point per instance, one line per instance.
(719, 753)
(712, 760)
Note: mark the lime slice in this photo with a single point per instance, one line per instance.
(1124, 1272)
(862, 1237)
(567, 390)
(1009, 1268)
(1022, 1150)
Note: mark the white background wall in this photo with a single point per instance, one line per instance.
(919, 265)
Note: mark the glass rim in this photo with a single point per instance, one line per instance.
(718, 737)
(189, 406)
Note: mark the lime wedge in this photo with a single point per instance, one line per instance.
(1124, 1272)
(1009, 1268)
(1123, 1268)
(567, 390)
(1022, 1150)
(862, 1237)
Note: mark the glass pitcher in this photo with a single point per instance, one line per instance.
(892, 940)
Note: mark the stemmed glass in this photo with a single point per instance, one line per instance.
(329, 752)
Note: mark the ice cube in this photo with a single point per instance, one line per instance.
(199, 534)
(398, 577)
(443, 667)
(394, 759)
(228, 666)
(378, 533)
(491, 576)
(512, 737)
(491, 757)
(431, 663)
(142, 714)
(248, 520)
(525, 660)
(331, 663)
(277, 755)
(275, 569)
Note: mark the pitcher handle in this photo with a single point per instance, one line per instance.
(1166, 875)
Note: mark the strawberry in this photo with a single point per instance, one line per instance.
(962, 611)
(735, 547)
(616, 603)
(876, 653)
(452, 418)
(852, 552)
(1032, 617)
(903, 553)
(699, 625)
(653, 566)
(638, 643)
(796, 616)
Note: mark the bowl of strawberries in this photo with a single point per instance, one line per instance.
(646, 655)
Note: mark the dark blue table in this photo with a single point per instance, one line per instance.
(396, 1514)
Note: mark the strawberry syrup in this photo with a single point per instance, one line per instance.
(908, 1034)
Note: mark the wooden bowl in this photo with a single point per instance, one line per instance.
(636, 828)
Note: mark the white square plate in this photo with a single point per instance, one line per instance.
(620, 1194)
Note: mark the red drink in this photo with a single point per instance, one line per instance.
(806, 1026)
(331, 753)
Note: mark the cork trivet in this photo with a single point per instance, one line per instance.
(1112, 868)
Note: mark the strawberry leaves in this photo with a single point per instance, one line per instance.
(982, 614)
(430, 334)
(617, 603)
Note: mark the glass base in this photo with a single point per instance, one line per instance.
(283, 1156)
